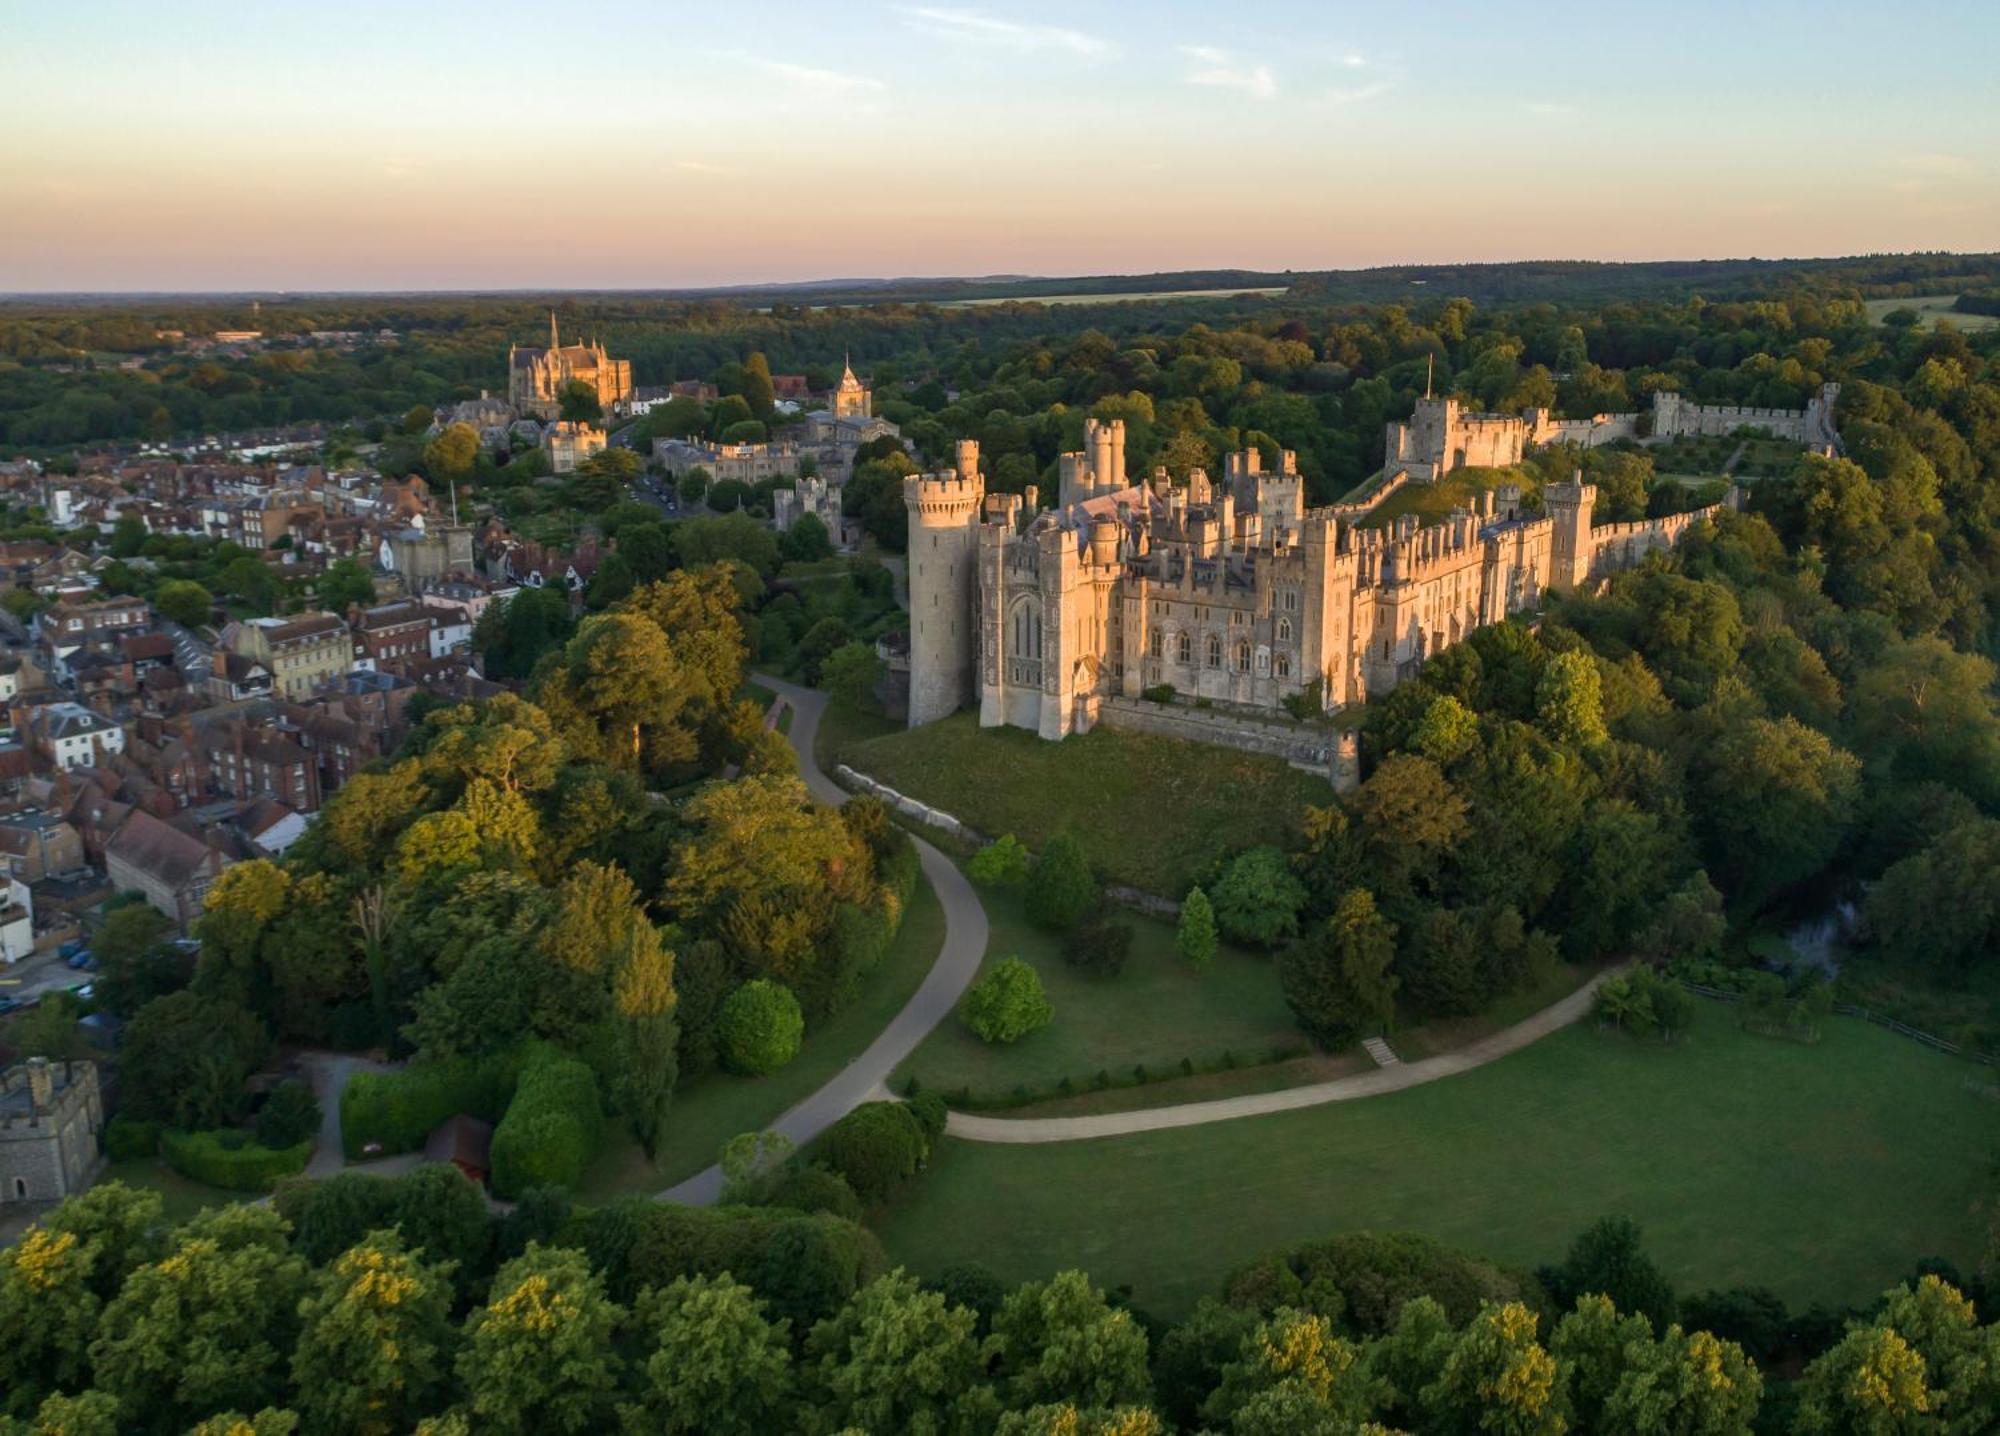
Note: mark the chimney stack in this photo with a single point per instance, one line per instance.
(41, 1084)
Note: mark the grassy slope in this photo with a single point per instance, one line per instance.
(182, 1196)
(1431, 502)
(714, 1108)
(1822, 1172)
(1156, 813)
(1159, 1010)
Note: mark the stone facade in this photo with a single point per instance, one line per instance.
(535, 377)
(813, 496)
(569, 444)
(1442, 435)
(50, 1118)
(1233, 594)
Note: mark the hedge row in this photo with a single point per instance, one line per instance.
(397, 1111)
(551, 1128)
(128, 1137)
(228, 1158)
(967, 1100)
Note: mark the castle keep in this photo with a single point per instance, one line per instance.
(1231, 592)
(535, 377)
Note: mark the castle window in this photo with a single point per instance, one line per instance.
(1242, 658)
(1186, 649)
(1159, 642)
(1214, 651)
(1285, 629)
(1284, 666)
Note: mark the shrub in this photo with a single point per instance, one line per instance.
(875, 1147)
(290, 1114)
(1257, 900)
(931, 1113)
(1195, 935)
(127, 1137)
(1006, 1004)
(1063, 889)
(399, 1110)
(1102, 945)
(815, 1189)
(228, 1158)
(1002, 863)
(1158, 693)
(760, 1027)
(551, 1128)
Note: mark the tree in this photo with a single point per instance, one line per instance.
(1447, 731)
(184, 601)
(48, 1314)
(1873, 1383)
(132, 968)
(449, 457)
(1337, 978)
(712, 1364)
(1606, 1260)
(646, 1035)
(1569, 699)
(1257, 900)
(850, 674)
(251, 580)
(539, 1356)
(1777, 797)
(760, 1027)
(1059, 1340)
(806, 541)
(1195, 933)
(1002, 863)
(1499, 1378)
(345, 582)
(579, 403)
(208, 1328)
(876, 1146)
(1293, 1374)
(693, 484)
(1688, 1384)
(185, 1059)
(374, 1351)
(619, 693)
(897, 1358)
(290, 1115)
(1006, 1004)
(1063, 889)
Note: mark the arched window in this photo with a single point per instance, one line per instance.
(1285, 630)
(1027, 631)
(1186, 648)
(1214, 651)
(1242, 658)
(20, 1189)
(1159, 642)
(1284, 666)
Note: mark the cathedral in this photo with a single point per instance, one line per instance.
(1231, 594)
(535, 377)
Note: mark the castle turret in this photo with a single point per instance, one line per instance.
(943, 577)
(1569, 506)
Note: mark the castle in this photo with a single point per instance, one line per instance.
(1443, 435)
(1233, 594)
(50, 1117)
(535, 377)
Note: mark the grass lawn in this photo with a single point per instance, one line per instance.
(182, 1196)
(1822, 1172)
(1932, 308)
(1160, 1009)
(1155, 813)
(712, 1109)
(1431, 502)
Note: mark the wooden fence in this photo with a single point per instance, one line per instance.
(1930, 1040)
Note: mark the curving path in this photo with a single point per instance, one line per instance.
(1341, 1089)
(866, 1077)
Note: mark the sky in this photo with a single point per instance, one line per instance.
(411, 145)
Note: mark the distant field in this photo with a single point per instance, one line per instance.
(1156, 813)
(1108, 298)
(1823, 1172)
(1933, 307)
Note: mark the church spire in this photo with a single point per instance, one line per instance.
(554, 343)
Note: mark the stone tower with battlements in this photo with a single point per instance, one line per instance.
(944, 594)
(1569, 506)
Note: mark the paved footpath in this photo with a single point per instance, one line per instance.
(866, 1078)
(1257, 1104)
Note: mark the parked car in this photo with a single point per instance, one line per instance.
(83, 960)
(72, 948)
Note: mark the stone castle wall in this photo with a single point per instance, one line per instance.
(1321, 751)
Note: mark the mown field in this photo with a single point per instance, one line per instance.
(1822, 1172)
(1155, 813)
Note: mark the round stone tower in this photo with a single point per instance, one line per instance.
(944, 586)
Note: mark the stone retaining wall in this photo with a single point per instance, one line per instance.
(1331, 755)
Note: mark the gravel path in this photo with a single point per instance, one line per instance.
(866, 1078)
(1341, 1089)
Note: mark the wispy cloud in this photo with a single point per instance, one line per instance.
(1548, 109)
(702, 167)
(1369, 78)
(1228, 72)
(832, 82)
(981, 28)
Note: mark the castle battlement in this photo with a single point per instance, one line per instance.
(948, 495)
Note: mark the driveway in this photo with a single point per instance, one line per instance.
(866, 1078)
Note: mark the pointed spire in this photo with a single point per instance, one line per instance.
(554, 343)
